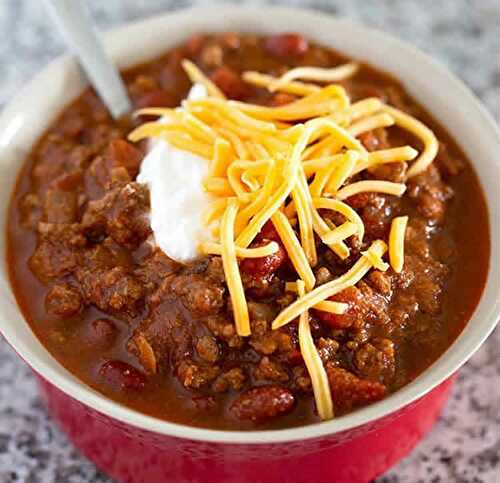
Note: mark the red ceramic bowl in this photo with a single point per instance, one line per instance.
(132, 447)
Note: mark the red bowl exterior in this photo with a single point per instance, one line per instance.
(133, 455)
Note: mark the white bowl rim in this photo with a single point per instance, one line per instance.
(306, 22)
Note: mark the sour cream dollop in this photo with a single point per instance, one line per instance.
(174, 178)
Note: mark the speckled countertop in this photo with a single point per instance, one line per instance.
(465, 444)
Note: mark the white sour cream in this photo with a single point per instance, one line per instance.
(174, 178)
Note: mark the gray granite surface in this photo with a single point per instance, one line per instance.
(465, 445)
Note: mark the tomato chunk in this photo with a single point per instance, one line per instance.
(264, 266)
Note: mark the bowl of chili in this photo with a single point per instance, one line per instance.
(123, 435)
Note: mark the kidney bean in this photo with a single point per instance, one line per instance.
(63, 301)
(229, 82)
(286, 45)
(264, 266)
(261, 404)
(122, 375)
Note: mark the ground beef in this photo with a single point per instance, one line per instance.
(113, 291)
(61, 206)
(194, 376)
(376, 361)
(207, 348)
(430, 194)
(233, 379)
(122, 214)
(154, 268)
(63, 301)
(270, 370)
(58, 251)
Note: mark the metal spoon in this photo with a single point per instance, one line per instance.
(75, 24)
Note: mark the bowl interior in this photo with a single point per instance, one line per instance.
(452, 104)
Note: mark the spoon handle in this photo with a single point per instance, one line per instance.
(75, 24)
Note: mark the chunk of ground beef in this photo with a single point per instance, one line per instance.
(419, 285)
(376, 212)
(270, 370)
(207, 348)
(224, 329)
(449, 164)
(198, 294)
(199, 287)
(122, 214)
(376, 360)
(194, 376)
(114, 290)
(119, 154)
(63, 301)
(233, 379)
(154, 268)
(58, 251)
(61, 206)
(430, 194)
(31, 210)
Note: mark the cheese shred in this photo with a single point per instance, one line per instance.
(231, 270)
(397, 243)
(314, 365)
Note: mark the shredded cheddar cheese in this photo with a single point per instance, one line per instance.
(197, 76)
(291, 87)
(210, 248)
(230, 264)
(318, 74)
(375, 186)
(294, 166)
(397, 243)
(314, 365)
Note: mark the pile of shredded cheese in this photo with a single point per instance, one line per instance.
(284, 164)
